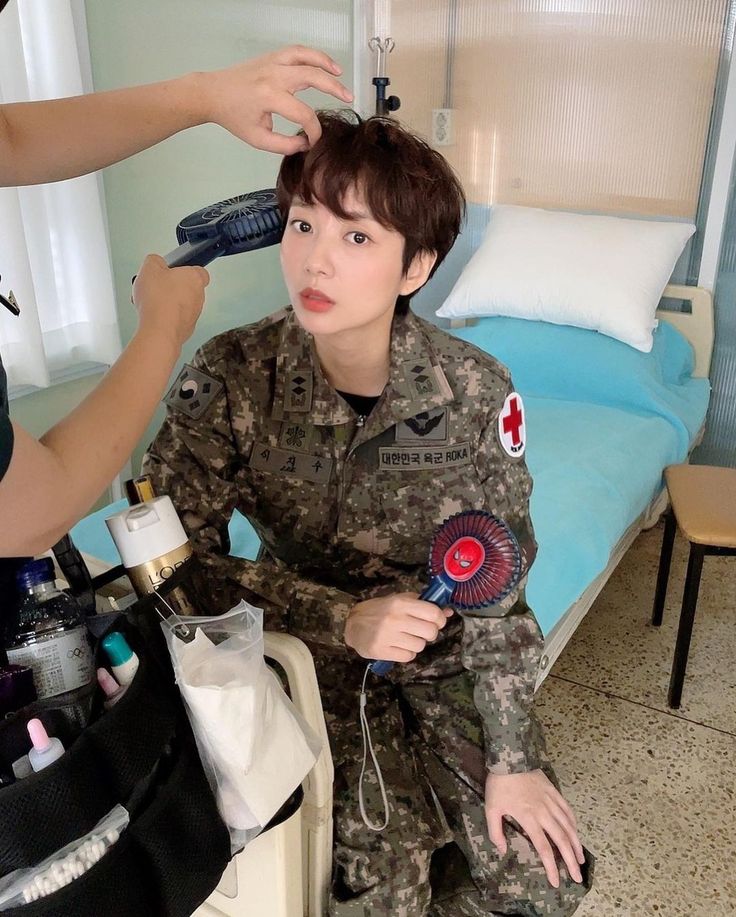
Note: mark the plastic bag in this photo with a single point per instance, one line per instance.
(255, 747)
(25, 885)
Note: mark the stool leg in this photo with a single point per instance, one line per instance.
(685, 629)
(665, 558)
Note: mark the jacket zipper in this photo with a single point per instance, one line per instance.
(348, 456)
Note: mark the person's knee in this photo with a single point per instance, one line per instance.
(523, 880)
(387, 884)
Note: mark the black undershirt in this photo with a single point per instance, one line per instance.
(8, 565)
(361, 404)
(6, 430)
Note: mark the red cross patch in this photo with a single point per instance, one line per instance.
(512, 425)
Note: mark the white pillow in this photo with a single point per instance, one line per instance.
(599, 272)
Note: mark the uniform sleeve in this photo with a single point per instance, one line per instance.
(196, 463)
(502, 646)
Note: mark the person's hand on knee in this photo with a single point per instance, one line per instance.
(394, 627)
(541, 811)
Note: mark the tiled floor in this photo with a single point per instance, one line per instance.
(654, 790)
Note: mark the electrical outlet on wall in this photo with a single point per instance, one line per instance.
(443, 126)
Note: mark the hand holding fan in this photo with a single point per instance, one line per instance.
(474, 561)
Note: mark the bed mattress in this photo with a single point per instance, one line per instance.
(603, 421)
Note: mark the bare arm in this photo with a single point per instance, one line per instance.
(52, 482)
(62, 138)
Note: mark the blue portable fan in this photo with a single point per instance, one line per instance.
(239, 224)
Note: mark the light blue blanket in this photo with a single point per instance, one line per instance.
(603, 420)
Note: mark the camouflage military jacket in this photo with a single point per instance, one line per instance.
(346, 506)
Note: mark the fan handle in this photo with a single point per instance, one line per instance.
(439, 592)
(194, 253)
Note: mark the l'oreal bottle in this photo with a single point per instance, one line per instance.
(153, 545)
(48, 633)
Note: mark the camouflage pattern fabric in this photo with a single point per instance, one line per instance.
(346, 508)
(428, 738)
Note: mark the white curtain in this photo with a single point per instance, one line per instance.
(53, 244)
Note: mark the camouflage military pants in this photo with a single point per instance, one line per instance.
(428, 740)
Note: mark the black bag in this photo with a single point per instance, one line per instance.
(139, 753)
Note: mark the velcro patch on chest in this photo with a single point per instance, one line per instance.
(427, 427)
(295, 435)
(315, 468)
(414, 458)
(193, 392)
(512, 426)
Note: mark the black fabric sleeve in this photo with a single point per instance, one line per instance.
(6, 428)
(6, 443)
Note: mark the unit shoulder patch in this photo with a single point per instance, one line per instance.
(193, 392)
(512, 426)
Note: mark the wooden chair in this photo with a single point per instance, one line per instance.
(703, 507)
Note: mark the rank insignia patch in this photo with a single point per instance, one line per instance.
(298, 391)
(421, 378)
(512, 426)
(193, 392)
(428, 427)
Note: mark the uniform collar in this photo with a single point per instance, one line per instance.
(302, 394)
(416, 380)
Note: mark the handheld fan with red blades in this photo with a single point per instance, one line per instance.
(474, 561)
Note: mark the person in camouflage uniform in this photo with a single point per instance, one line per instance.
(346, 500)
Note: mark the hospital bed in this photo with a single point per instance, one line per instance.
(603, 417)
(587, 509)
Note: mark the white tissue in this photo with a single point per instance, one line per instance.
(283, 758)
(221, 692)
(254, 748)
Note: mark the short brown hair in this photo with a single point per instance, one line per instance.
(408, 186)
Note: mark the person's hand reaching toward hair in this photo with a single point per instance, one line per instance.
(244, 98)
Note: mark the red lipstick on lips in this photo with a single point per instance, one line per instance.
(315, 301)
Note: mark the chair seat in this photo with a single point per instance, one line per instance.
(703, 499)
